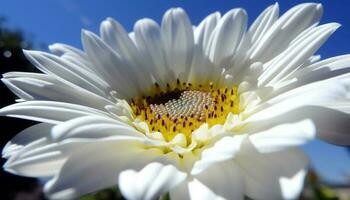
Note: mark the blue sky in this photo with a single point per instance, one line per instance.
(47, 22)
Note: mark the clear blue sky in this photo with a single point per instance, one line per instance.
(53, 21)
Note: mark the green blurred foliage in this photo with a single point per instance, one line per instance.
(106, 194)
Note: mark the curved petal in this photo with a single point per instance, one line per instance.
(278, 175)
(225, 180)
(283, 136)
(251, 38)
(71, 54)
(46, 88)
(296, 54)
(117, 38)
(48, 111)
(45, 164)
(263, 22)
(224, 149)
(177, 38)
(204, 30)
(110, 65)
(226, 37)
(97, 165)
(29, 135)
(330, 125)
(149, 42)
(221, 181)
(285, 29)
(321, 93)
(322, 70)
(152, 181)
(91, 127)
(66, 71)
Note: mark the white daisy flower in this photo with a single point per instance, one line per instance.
(214, 111)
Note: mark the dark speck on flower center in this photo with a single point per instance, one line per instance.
(184, 107)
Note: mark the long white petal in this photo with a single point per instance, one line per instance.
(71, 54)
(177, 38)
(46, 88)
(149, 41)
(92, 127)
(285, 29)
(117, 38)
(204, 30)
(25, 137)
(321, 93)
(110, 65)
(48, 111)
(318, 71)
(296, 54)
(45, 164)
(66, 71)
(263, 22)
(226, 37)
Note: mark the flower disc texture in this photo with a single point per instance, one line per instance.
(209, 111)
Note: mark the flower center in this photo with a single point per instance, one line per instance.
(184, 107)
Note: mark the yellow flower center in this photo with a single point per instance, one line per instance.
(182, 108)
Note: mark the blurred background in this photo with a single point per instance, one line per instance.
(36, 24)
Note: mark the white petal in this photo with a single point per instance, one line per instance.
(152, 181)
(149, 42)
(71, 54)
(49, 89)
(33, 158)
(45, 164)
(263, 22)
(110, 65)
(318, 71)
(252, 38)
(226, 37)
(92, 127)
(204, 30)
(48, 111)
(25, 137)
(224, 179)
(283, 136)
(97, 165)
(66, 71)
(296, 54)
(278, 175)
(115, 36)
(224, 149)
(285, 29)
(177, 38)
(321, 93)
(202, 70)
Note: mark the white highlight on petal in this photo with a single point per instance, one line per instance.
(283, 136)
(48, 111)
(178, 42)
(152, 181)
(226, 37)
(29, 135)
(224, 149)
